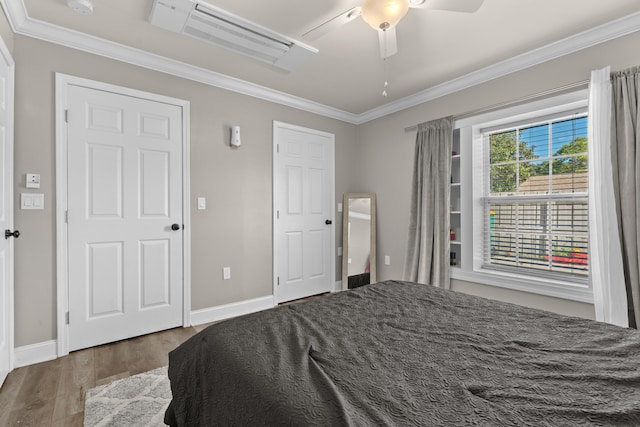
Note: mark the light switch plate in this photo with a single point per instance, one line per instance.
(202, 203)
(33, 201)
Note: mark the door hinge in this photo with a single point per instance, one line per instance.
(278, 280)
(277, 148)
(66, 316)
(277, 214)
(66, 116)
(66, 217)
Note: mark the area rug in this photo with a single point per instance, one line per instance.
(139, 400)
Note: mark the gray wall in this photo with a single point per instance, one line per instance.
(234, 231)
(386, 154)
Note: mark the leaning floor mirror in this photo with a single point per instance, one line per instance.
(358, 240)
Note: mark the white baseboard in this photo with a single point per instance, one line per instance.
(35, 353)
(227, 311)
(46, 350)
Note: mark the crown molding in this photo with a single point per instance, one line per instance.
(597, 35)
(22, 24)
(25, 26)
(16, 13)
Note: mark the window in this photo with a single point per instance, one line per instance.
(536, 198)
(523, 198)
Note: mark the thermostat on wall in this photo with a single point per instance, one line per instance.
(33, 180)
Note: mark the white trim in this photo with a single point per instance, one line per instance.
(16, 13)
(338, 286)
(471, 146)
(274, 179)
(5, 54)
(35, 353)
(532, 285)
(227, 311)
(586, 39)
(62, 300)
(62, 82)
(22, 24)
(77, 40)
(186, 213)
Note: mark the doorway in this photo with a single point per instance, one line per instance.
(7, 69)
(122, 213)
(304, 190)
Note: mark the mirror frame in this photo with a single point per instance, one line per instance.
(345, 237)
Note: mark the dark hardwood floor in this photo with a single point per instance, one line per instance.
(52, 393)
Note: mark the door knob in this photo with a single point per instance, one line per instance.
(8, 233)
(328, 222)
(175, 227)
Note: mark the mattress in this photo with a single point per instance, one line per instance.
(398, 353)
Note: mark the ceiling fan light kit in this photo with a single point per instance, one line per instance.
(384, 14)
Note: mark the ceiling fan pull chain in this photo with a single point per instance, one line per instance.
(386, 73)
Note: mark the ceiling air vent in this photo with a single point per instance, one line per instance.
(214, 25)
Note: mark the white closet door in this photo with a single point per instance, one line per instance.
(304, 211)
(124, 216)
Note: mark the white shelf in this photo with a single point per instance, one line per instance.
(456, 193)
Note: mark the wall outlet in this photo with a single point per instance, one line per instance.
(387, 260)
(226, 273)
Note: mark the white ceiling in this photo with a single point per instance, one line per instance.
(435, 47)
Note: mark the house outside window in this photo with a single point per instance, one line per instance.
(536, 200)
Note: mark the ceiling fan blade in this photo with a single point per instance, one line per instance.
(388, 42)
(466, 6)
(332, 24)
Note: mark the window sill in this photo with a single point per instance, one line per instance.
(547, 287)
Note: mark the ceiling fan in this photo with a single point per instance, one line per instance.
(383, 15)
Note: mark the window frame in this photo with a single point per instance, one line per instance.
(472, 180)
(524, 199)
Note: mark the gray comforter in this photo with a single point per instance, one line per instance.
(397, 353)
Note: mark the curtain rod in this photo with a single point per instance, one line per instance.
(514, 102)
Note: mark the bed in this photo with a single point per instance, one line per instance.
(398, 353)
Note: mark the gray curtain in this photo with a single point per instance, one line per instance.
(625, 156)
(428, 250)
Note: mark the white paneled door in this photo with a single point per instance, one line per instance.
(303, 219)
(125, 237)
(6, 214)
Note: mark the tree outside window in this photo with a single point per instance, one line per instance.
(532, 223)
